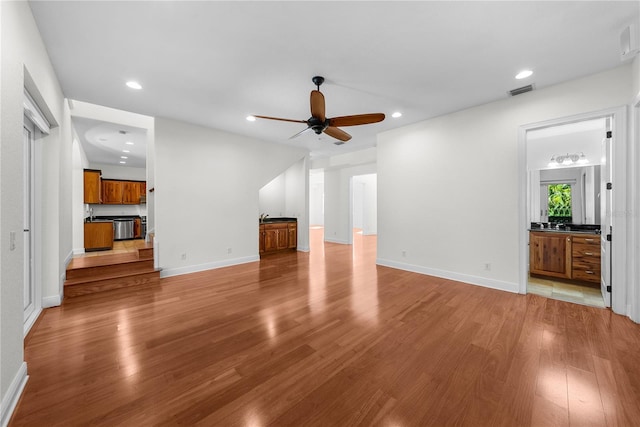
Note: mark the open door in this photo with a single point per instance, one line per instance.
(606, 207)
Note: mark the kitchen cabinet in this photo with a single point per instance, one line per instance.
(277, 236)
(98, 235)
(550, 254)
(130, 192)
(92, 186)
(293, 235)
(137, 228)
(119, 192)
(112, 192)
(585, 262)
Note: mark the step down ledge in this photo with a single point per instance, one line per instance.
(98, 278)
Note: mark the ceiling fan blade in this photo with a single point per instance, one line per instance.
(282, 120)
(358, 119)
(300, 133)
(337, 133)
(317, 105)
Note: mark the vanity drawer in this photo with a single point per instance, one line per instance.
(581, 250)
(586, 239)
(588, 275)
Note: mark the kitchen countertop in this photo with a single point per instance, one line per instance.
(554, 230)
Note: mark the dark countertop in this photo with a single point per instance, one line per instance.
(277, 219)
(554, 230)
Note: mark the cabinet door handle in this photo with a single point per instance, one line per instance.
(589, 240)
(588, 253)
(588, 271)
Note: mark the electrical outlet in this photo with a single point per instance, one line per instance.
(183, 256)
(229, 250)
(487, 266)
(404, 254)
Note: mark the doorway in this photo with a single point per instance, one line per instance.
(32, 304)
(542, 168)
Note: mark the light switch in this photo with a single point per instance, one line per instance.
(12, 240)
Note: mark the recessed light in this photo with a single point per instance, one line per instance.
(524, 74)
(123, 157)
(134, 85)
(129, 143)
(125, 151)
(396, 114)
(122, 162)
(251, 118)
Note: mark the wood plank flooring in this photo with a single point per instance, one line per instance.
(328, 338)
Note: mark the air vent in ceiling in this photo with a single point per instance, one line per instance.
(520, 90)
(339, 142)
(122, 132)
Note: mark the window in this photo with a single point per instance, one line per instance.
(560, 203)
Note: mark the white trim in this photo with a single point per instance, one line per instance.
(619, 282)
(303, 249)
(78, 251)
(28, 324)
(52, 301)
(33, 112)
(68, 259)
(13, 394)
(340, 241)
(207, 266)
(452, 275)
(633, 298)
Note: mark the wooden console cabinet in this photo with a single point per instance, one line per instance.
(278, 236)
(565, 255)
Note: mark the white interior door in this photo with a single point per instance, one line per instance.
(30, 300)
(606, 208)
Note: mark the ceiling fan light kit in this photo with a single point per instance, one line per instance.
(319, 123)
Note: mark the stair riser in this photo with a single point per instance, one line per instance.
(145, 253)
(109, 270)
(93, 287)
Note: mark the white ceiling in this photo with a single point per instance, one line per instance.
(213, 63)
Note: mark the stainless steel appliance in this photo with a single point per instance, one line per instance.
(143, 226)
(122, 229)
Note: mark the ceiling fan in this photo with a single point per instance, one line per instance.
(319, 123)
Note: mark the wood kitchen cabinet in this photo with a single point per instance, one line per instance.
(92, 186)
(137, 228)
(550, 254)
(130, 192)
(277, 236)
(112, 191)
(585, 262)
(293, 235)
(98, 235)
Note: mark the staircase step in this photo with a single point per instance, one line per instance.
(77, 288)
(145, 253)
(92, 272)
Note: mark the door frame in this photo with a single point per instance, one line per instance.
(619, 219)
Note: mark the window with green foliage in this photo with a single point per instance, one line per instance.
(560, 202)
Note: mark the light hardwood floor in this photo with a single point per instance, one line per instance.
(327, 338)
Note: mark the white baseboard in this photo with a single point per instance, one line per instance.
(52, 301)
(28, 324)
(340, 241)
(12, 396)
(78, 251)
(451, 275)
(303, 248)
(168, 272)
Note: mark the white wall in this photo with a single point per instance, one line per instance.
(206, 194)
(120, 172)
(24, 63)
(448, 186)
(272, 199)
(316, 197)
(365, 203)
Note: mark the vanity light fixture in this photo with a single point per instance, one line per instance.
(568, 159)
(134, 85)
(524, 74)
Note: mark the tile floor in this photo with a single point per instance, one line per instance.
(579, 294)
(119, 247)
